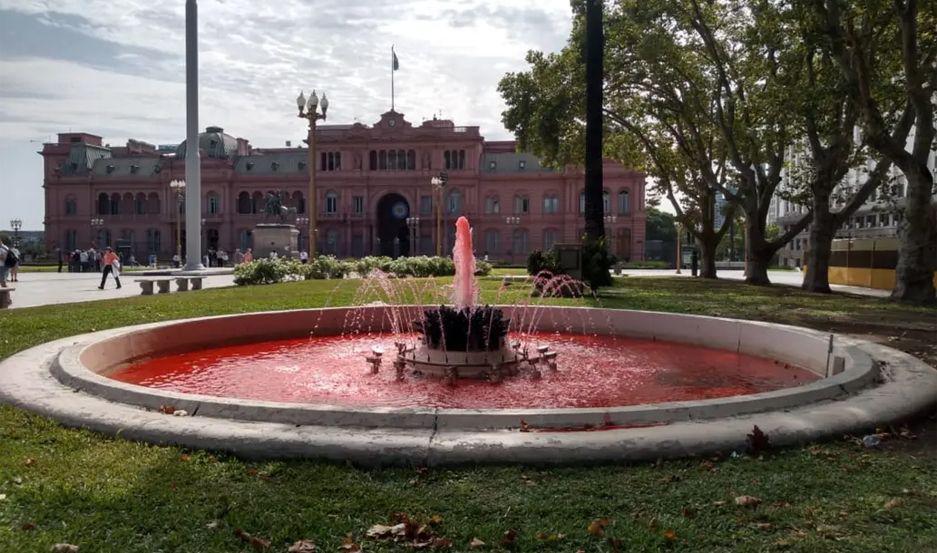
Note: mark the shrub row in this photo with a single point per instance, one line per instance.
(269, 271)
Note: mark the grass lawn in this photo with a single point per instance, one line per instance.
(103, 494)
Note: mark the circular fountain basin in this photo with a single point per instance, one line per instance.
(795, 384)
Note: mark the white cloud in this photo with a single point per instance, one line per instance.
(116, 68)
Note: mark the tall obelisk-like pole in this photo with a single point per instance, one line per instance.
(193, 168)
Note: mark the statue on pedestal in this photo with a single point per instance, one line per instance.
(274, 207)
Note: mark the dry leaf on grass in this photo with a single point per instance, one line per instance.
(349, 545)
(597, 526)
(64, 548)
(259, 544)
(302, 546)
(476, 543)
(747, 501)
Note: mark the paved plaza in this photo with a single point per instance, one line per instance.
(35, 289)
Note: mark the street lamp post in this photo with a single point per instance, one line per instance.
(16, 225)
(413, 223)
(308, 111)
(178, 186)
(96, 224)
(439, 182)
(513, 220)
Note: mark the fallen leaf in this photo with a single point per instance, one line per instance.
(29, 462)
(509, 537)
(524, 426)
(718, 503)
(669, 535)
(380, 531)
(763, 525)
(597, 526)
(747, 501)
(64, 548)
(549, 537)
(348, 545)
(258, 544)
(212, 525)
(476, 543)
(893, 503)
(302, 546)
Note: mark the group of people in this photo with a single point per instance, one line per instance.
(9, 263)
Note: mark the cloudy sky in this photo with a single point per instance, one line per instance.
(116, 68)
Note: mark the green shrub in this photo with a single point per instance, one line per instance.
(261, 271)
(268, 271)
(539, 261)
(596, 263)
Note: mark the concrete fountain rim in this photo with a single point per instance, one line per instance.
(51, 380)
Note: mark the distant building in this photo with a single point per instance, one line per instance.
(370, 180)
(876, 218)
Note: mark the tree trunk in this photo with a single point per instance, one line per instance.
(758, 256)
(914, 274)
(595, 41)
(822, 228)
(707, 249)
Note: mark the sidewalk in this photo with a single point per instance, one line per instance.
(35, 289)
(784, 278)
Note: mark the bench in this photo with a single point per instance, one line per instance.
(163, 284)
(6, 297)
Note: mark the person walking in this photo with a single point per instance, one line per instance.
(83, 260)
(111, 266)
(248, 256)
(4, 259)
(15, 267)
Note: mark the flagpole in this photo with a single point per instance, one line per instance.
(391, 77)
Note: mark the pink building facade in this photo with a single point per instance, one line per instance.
(373, 187)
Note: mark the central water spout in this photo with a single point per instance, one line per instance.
(464, 291)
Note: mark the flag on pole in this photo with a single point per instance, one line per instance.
(396, 62)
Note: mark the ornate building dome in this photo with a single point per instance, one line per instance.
(214, 143)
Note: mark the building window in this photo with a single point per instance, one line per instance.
(331, 242)
(214, 204)
(492, 205)
(521, 204)
(153, 241)
(153, 207)
(411, 160)
(357, 203)
(115, 204)
(330, 161)
(245, 239)
(582, 202)
(522, 164)
(71, 205)
(624, 204)
(139, 204)
(244, 203)
(606, 202)
(883, 220)
(549, 238)
(551, 204)
(331, 202)
(104, 204)
(492, 241)
(372, 160)
(454, 206)
(520, 241)
(870, 221)
(71, 240)
(426, 205)
(454, 159)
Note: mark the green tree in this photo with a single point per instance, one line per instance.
(851, 30)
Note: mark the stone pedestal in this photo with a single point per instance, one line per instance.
(280, 238)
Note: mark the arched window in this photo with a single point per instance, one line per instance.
(372, 160)
(214, 203)
(549, 238)
(153, 241)
(454, 204)
(71, 205)
(331, 202)
(519, 242)
(257, 202)
(521, 204)
(244, 203)
(71, 240)
(126, 204)
(624, 206)
(115, 204)
(382, 160)
(392, 160)
(551, 204)
(299, 202)
(492, 205)
(139, 204)
(104, 204)
(447, 156)
(461, 159)
(411, 160)
(606, 202)
(153, 207)
(492, 241)
(245, 239)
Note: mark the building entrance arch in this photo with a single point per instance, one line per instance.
(393, 237)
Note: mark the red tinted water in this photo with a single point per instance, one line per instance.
(594, 371)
